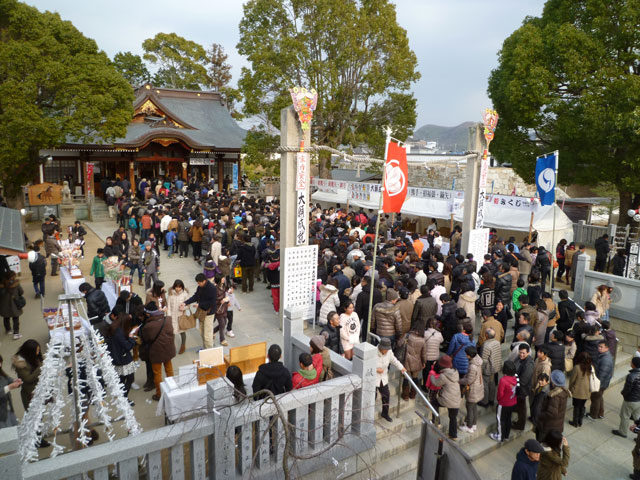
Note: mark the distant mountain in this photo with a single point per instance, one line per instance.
(448, 138)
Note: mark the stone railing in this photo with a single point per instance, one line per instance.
(588, 234)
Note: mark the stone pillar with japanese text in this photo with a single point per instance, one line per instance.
(294, 188)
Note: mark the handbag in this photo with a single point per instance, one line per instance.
(568, 364)
(237, 272)
(187, 320)
(145, 348)
(401, 349)
(594, 381)
(19, 301)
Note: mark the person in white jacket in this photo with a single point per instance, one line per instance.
(329, 301)
(385, 357)
(350, 329)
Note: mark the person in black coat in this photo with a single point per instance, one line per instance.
(272, 376)
(247, 260)
(567, 309)
(543, 262)
(128, 301)
(448, 317)
(503, 285)
(38, 271)
(602, 247)
(619, 262)
(97, 304)
(331, 333)
(556, 350)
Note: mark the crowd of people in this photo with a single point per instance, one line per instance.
(440, 316)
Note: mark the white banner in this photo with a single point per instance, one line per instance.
(327, 185)
(303, 167)
(300, 277)
(14, 263)
(435, 193)
(479, 244)
(519, 203)
(302, 218)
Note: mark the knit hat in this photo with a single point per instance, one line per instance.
(404, 292)
(558, 378)
(318, 341)
(445, 361)
(385, 344)
(392, 294)
(147, 243)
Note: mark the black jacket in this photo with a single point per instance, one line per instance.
(247, 255)
(332, 338)
(362, 302)
(274, 377)
(130, 306)
(503, 288)
(524, 369)
(631, 390)
(567, 310)
(97, 304)
(449, 320)
(556, 355)
(602, 247)
(120, 347)
(206, 297)
(543, 262)
(618, 263)
(38, 268)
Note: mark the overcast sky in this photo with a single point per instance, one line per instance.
(456, 41)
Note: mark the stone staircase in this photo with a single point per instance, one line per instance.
(398, 443)
(100, 211)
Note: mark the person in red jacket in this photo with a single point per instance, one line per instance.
(506, 401)
(310, 370)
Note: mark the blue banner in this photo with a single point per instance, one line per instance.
(235, 176)
(546, 179)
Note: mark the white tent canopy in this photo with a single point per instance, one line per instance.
(508, 221)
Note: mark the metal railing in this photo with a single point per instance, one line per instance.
(413, 384)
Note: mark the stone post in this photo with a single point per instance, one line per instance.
(580, 233)
(10, 462)
(290, 136)
(472, 177)
(365, 357)
(293, 325)
(221, 449)
(584, 261)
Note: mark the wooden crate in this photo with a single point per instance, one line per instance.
(248, 357)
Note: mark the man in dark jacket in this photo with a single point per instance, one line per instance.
(129, 301)
(524, 369)
(602, 252)
(554, 406)
(448, 317)
(503, 285)
(603, 365)
(556, 350)
(247, 259)
(206, 298)
(362, 305)
(272, 376)
(630, 408)
(331, 333)
(157, 334)
(567, 310)
(526, 466)
(97, 304)
(38, 269)
(426, 306)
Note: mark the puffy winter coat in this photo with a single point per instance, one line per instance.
(272, 376)
(426, 307)
(97, 304)
(631, 390)
(330, 301)
(183, 231)
(386, 320)
(553, 410)
(416, 353)
(491, 357)
(332, 338)
(503, 288)
(298, 381)
(8, 293)
(553, 465)
(539, 367)
(456, 350)
(467, 300)
(473, 378)
(449, 394)
(433, 340)
(29, 377)
(604, 369)
(38, 268)
(556, 355)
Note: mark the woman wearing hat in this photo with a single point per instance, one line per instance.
(386, 357)
(449, 393)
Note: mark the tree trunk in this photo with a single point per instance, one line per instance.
(324, 164)
(625, 204)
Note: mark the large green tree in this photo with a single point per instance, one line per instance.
(219, 73)
(353, 52)
(180, 62)
(132, 68)
(55, 86)
(570, 80)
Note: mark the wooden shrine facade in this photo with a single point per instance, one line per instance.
(173, 133)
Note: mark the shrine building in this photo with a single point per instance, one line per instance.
(172, 133)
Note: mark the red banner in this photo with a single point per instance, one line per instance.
(89, 177)
(396, 178)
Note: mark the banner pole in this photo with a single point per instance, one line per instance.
(531, 226)
(553, 233)
(375, 240)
